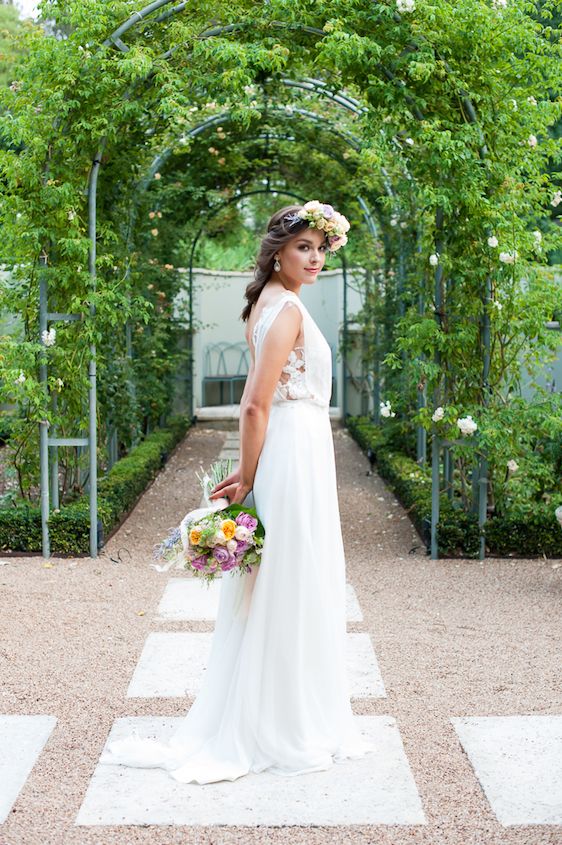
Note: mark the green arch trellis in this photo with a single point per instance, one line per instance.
(115, 39)
(222, 119)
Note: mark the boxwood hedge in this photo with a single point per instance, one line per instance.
(530, 531)
(69, 527)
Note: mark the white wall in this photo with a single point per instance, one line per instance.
(219, 299)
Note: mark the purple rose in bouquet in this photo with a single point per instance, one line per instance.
(199, 562)
(230, 564)
(247, 520)
(242, 546)
(224, 558)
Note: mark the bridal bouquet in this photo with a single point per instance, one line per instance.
(216, 538)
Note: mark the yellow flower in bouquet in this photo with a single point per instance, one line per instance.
(194, 536)
(228, 527)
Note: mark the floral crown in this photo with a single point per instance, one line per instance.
(322, 216)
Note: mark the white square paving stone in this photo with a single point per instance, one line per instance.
(377, 789)
(22, 739)
(172, 664)
(186, 599)
(518, 762)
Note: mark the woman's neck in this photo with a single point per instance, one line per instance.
(278, 282)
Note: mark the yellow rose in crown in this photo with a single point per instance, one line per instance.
(194, 536)
(228, 527)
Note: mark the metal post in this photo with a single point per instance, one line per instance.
(483, 471)
(54, 460)
(482, 504)
(92, 395)
(377, 373)
(421, 433)
(448, 470)
(475, 489)
(435, 491)
(43, 430)
(435, 446)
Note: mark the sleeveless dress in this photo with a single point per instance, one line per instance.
(275, 694)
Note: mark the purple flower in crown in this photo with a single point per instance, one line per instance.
(328, 211)
(247, 520)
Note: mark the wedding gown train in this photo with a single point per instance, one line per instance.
(275, 692)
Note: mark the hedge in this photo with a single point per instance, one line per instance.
(69, 527)
(531, 531)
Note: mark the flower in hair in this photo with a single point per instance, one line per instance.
(324, 217)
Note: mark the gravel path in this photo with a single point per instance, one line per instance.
(452, 638)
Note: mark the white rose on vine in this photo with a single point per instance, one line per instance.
(405, 5)
(49, 337)
(438, 414)
(512, 465)
(508, 257)
(434, 259)
(467, 425)
(386, 409)
(493, 241)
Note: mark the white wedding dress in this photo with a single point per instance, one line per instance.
(275, 693)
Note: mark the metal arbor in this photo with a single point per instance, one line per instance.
(341, 99)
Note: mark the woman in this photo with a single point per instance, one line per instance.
(275, 694)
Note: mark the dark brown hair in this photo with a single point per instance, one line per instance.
(282, 226)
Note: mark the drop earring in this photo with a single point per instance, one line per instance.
(276, 265)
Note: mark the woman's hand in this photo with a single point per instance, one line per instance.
(231, 488)
(236, 493)
(225, 484)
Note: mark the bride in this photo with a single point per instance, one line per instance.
(275, 694)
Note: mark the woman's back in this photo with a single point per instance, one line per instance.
(307, 373)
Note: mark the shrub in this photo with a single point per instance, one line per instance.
(69, 527)
(529, 530)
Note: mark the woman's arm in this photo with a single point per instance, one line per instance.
(234, 477)
(278, 342)
(254, 412)
(245, 394)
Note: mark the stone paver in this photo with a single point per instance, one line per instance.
(22, 739)
(518, 761)
(383, 789)
(172, 664)
(187, 599)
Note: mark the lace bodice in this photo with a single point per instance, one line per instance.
(307, 373)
